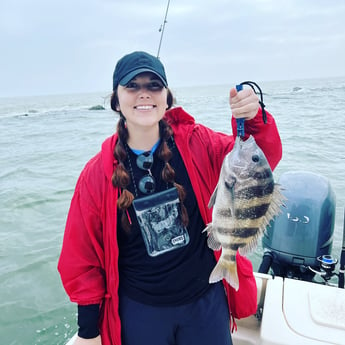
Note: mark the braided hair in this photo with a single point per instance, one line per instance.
(121, 177)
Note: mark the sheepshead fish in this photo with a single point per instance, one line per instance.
(244, 202)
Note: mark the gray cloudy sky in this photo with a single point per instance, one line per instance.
(64, 46)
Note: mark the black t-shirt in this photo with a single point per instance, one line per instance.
(173, 278)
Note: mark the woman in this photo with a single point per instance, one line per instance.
(134, 257)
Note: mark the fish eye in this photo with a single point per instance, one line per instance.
(255, 158)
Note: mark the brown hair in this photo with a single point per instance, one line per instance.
(121, 177)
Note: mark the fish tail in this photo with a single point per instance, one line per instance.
(225, 270)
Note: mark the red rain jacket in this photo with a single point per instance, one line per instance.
(88, 263)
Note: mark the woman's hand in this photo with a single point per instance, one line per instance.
(93, 341)
(244, 104)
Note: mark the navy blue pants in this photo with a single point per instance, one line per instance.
(203, 322)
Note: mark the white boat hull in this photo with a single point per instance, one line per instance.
(294, 312)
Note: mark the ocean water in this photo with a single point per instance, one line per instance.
(45, 142)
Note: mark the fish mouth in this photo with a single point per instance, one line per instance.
(244, 143)
(243, 149)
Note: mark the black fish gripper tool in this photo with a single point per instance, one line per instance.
(240, 121)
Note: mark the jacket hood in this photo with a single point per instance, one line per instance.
(175, 117)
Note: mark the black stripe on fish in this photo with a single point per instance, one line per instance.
(245, 232)
(233, 246)
(252, 212)
(228, 257)
(238, 232)
(255, 191)
(225, 212)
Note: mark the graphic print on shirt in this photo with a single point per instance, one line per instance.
(159, 218)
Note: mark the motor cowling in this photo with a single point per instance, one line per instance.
(303, 232)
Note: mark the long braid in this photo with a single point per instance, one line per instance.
(120, 176)
(168, 173)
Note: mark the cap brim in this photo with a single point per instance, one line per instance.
(126, 79)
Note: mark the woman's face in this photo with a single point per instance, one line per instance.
(143, 101)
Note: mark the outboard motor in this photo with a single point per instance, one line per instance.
(299, 242)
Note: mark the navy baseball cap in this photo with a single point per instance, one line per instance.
(134, 63)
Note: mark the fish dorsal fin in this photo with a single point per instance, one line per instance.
(278, 199)
(213, 197)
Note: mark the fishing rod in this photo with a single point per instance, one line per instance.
(342, 260)
(161, 29)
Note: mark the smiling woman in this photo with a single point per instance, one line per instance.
(134, 257)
